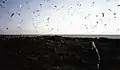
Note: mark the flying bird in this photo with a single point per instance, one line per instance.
(12, 15)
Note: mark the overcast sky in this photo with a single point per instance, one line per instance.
(60, 17)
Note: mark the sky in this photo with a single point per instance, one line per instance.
(79, 17)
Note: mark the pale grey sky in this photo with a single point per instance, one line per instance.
(100, 17)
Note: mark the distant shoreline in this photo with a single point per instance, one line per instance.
(75, 36)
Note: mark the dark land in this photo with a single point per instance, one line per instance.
(58, 53)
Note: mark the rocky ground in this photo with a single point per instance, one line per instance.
(58, 53)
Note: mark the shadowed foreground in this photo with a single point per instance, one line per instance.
(58, 53)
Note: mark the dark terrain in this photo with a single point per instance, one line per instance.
(58, 53)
